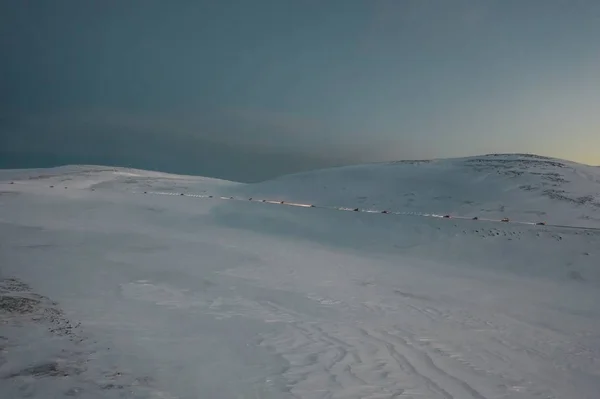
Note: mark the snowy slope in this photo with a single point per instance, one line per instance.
(523, 187)
(109, 292)
(90, 176)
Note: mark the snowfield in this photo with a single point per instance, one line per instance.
(110, 290)
(524, 187)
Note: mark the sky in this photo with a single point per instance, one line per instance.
(249, 90)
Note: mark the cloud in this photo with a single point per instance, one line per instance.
(255, 129)
(416, 21)
(235, 143)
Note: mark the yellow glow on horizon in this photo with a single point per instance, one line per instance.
(581, 151)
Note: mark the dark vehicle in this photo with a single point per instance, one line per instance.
(505, 220)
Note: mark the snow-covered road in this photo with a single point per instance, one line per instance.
(152, 296)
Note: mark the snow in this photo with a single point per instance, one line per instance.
(109, 292)
(524, 187)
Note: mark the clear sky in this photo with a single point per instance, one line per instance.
(247, 90)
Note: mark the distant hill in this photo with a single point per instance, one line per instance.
(524, 186)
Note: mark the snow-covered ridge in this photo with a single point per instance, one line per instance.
(92, 176)
(520, 186)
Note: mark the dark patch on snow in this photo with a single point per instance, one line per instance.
(18, 305)
(411, 296)
(51, 369)
(576, 276)
(538, 213)
(528, 187)
(365, 283)
(111, 386)
(16, 298)
(562, 196)
(514, 173)
(519, 155)
(14, 285)
(541, 162)
(22, 308)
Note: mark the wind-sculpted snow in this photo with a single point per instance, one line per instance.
(109, 293)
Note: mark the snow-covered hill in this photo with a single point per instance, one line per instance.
(523, 187)
(107, 292)
(98, 177)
